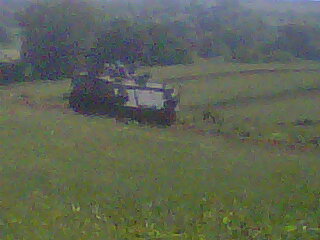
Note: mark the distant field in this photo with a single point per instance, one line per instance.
(284, 6)
(204, 67)
(67, 176)
(210, 90)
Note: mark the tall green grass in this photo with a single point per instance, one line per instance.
(204, 67)
(257, 104)
(72, 177)
(67, 176)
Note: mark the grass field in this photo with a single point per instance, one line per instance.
(305, 7)
(255, 103)
(67, 176)
(202, 68)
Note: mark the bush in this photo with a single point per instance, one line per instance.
(16, 71)
(151, 44)
(171, 56)
(163, 47)
(209, 49)
(52, 44)
(279, 56)
(247, 55)
(212, 114)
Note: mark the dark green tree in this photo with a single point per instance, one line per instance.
(147, 43)
(164, 47)
(122, 40)
(300, 40)
(54, 35)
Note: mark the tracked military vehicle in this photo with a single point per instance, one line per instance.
(124, 95)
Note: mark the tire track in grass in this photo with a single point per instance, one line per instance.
(271, 143)
(239, 101)
(244, 100)
(283, 144)
(26, 101)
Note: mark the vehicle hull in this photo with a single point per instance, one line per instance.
(90, 105)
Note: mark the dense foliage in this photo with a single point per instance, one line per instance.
(64, 176)
(57, 33)
(150, 44)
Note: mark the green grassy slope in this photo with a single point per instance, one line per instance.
(284, 6)
(202, 68)
(66, 176)
(256, 103)
(209, 89)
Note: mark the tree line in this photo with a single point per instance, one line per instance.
(59, 36)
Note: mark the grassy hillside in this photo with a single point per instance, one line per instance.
(202, 68)
(260, 104)
(67, 176)
(284, 6)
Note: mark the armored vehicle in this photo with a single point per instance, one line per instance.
(124, 95)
